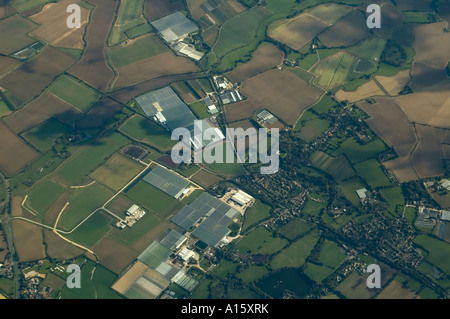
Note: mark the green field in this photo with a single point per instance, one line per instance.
(83, 163)
(316, 272)
(144, 130)
(4, 109)
(117, 171)
(313, 208)
(7, 286)
(43, 137)
(394, 198)
(338, 167)
(416, 17)
(240, 35)
(295, 228)
(331, 254)
(92, 230)
(82, 203)
(438, 251)
(75, 92)
(144, 225)
(253, 273)
(142, 48)
(129, 10)
(428, 293)
(349, 188)
(356, 152)
(312, 129)
(96, 288)
(139, 30)
(410, 214)
(296, 254)
(24, 5)
(226, 169)
(333, 71)
(330, 13)
(256, 213)
(324, 105)
(154, 199)
(42, 197)
(369, 49)
(200, 110)
(260, 241)
(372, 173)
(308, 61)
(226, 267)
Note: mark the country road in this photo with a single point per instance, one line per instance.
(5, 222)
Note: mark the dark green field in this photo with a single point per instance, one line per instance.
(75, 92)
(43, 137)
(154, 199)
(296, 254)
(141, 49)
(82, 203)
(96, 288)
(260, 241)
(92, 230)
(43, 196)
(357, 153)
(256, 213)
(147, 131)
(372, 173)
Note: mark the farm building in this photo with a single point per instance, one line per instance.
(186, 254)
(362, 193)
(446, 184)
(242, 198)
(167, 108)
(174, 27)
(445, 215)
(266, 117)
(184, 281)
(188, 51)
(212, 109)
(173, 240)
(167, 181)
(215, 226)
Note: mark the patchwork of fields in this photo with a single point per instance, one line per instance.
(364, 120)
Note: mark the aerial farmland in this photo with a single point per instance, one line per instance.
(120, 149)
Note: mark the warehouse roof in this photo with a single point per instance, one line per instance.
(154, 255)
(166, 101)
(174, 26)
(173, 240)
(167, 181)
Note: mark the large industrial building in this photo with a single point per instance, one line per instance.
(174, 27)
(217, 217)
(167, 181)
(241, 198)
(165, 107)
